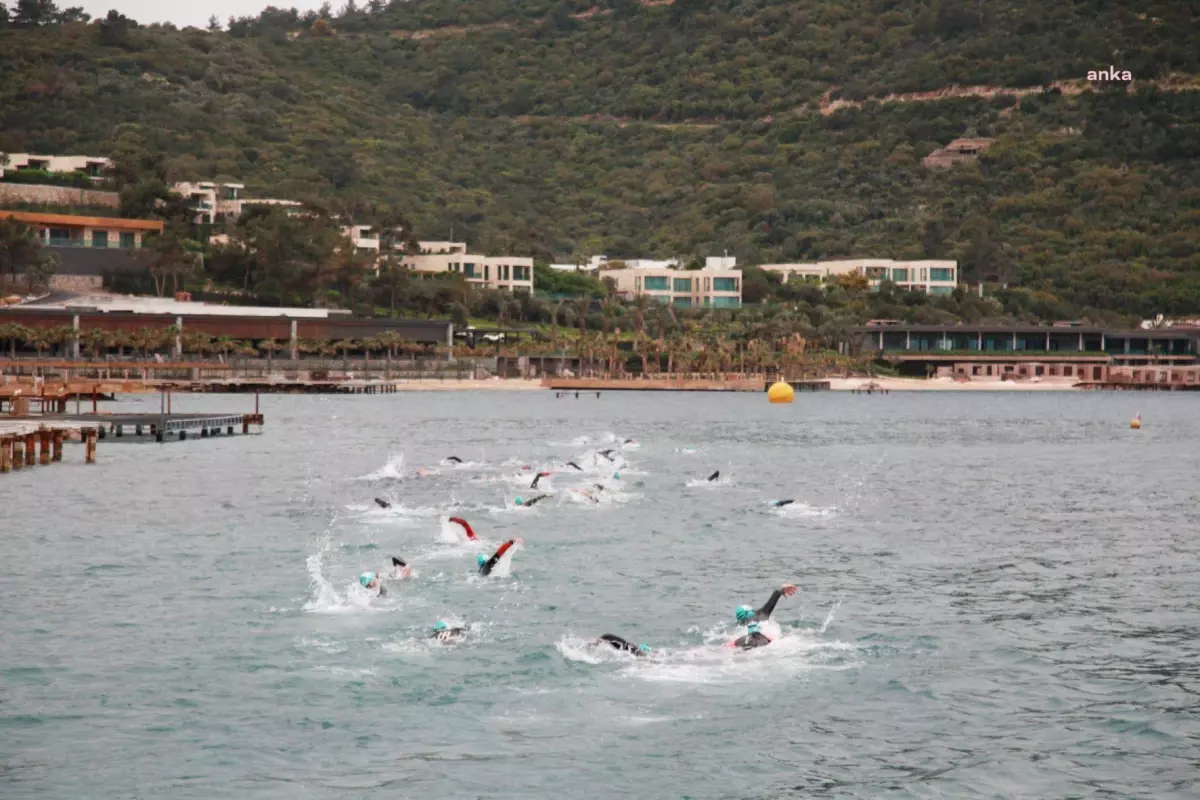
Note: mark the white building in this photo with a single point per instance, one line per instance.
(93, 166)
(720, 262)
(931, 277)
(214, 202)
(682, 288)
(494, 272)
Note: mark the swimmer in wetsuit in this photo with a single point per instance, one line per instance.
(486, 565)
(444, 633)
(369, 580)
(537, 478)
(628, 647)
(746, 614)
(454, 459)
(714, 476)
(522, 502)
(382, 503)
(400, 570)
(781, 503)
(754, 638)
(576, 466)
(607, 454)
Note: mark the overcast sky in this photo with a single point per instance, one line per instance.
(186, 13)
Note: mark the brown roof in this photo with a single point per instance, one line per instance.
(72, 221)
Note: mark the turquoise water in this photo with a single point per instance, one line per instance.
(998, 598)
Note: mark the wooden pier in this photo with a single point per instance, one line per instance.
(25, 443)
(802, 386)
(652, 384)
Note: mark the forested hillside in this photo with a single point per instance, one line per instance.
(685, 128)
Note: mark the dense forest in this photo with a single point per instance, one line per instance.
(564, 129)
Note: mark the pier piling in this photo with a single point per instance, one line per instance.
(30, 452)
(44, 447)
(58, 436)
(6, 454)
(90, 437)
(18, 452)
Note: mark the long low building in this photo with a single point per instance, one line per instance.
(930, 276)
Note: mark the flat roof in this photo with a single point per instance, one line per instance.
(1024, 329)
(115, 223)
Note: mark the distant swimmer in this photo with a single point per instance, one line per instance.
(754, 638)
(382, 503)
(714, 476)
(607, 454)
(486, 565)
(782, 503)
(599, 487)
(627, 647)
(521, 502)
(400, 569)
(630, 441)
(588, 495)
(537, 478)
(444, 633)
(576, 466)
(370, 580)
(746, 614)
(423, 473)
(466, 526)
(454, 459)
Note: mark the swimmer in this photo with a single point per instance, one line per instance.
(486, 565)
(599, 487)
(745, 614)
(607, 454)
(454, 459)
(382, 503)
(400, 570)
(714, 476)
(630, 441)
(370, 580)
(423, 473)
(588, 494)
(576, 466)
(781, 503)
(466, 526)
(628, 647)
(444, 633)
(754, 638)
(537, 478)
(531, 500)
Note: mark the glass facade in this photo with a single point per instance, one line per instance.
(900, 275)
(520, 273)
(941, 274)
(99, 238)
(941, 289)
(682, 284)
(683, 302)
(656, 283)
(726, 302)
(469, 270)
(128, 241)
(725, 284)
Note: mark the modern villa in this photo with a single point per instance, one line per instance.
(704, 288)
(931, 277)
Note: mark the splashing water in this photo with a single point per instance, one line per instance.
(393, 470)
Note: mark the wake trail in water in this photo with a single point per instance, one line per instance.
(392, 470)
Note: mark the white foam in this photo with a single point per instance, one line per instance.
(799, 510)
(392, 470)
(711, 664)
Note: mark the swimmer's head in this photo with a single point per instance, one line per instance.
(519, 501)
(480, 559)
(743, 613)
(616, 476)
(366, 578)
(440, 626)
(753, 628)
(644, 649)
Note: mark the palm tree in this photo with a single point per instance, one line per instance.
(14, 333)
(271, 347)
(120, 340)
(388, 341)
(96, 339)
(225, 344)
(345, 346)
(554, 324)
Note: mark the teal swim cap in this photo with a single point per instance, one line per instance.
(753, 628)
(520, 502)
(616, 476)
(743, 613)
(366, 578)
(480, 559)
(440, 626)
(643, 648)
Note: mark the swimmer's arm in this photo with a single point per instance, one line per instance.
(769, 608)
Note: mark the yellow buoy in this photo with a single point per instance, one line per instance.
(780, 392)
(1136, 422)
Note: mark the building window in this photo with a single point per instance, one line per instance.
(469, 270)
(659, 283)
(520, 273)
(725, 284)
(487, 269)
(726, 302)
(60, 237)
(683, 284)
(941, 289)
(128, 241)
(937, 274)
(876, 273)
(683, 302)
(504, 272)
(899, 275)
(99, 238)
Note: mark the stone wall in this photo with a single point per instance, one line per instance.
(76, 283)
(14, 193)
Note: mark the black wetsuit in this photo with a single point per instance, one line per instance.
(533, 500)
(621, 644)
(750, 640)
(537, 478)
(607, 454)
(454, 459)
(599, 487)
(576, 466)
(764, 613)
(383, 503)
(486, 567)
(782, 503)
(715, 475)
(448, 634)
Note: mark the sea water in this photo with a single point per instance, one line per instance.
(997, 598)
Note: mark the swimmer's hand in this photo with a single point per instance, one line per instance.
(788, 589)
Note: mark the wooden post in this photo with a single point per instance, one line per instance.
(59, 435)
(30, 449)
(245, 424)
(44, 446)
(90, 436)
(6, 454)
(95, 409)
(18, 452)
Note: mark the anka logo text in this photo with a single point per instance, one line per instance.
(1110, 74)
